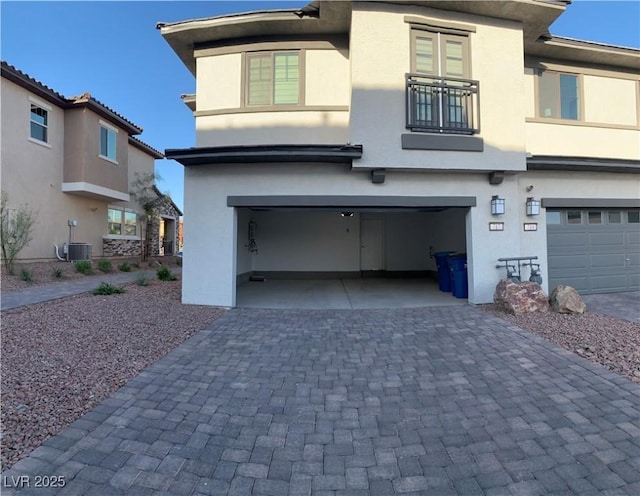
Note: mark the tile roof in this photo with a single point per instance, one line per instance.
(21, 78)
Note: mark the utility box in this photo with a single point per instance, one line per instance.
(79, 251)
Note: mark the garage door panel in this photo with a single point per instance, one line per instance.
(569, 261)
(606, 239)
(569, 238)
(609, 282)
(577, 282)
(611, 261)
(633, 239)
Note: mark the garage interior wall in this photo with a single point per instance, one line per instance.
(320, 241)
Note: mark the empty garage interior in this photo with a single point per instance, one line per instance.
(348, 244)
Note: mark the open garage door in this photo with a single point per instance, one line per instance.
(594, 250)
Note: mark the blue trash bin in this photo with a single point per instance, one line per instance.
(459, 281)
(444, 276)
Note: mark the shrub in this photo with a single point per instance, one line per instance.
(179, 262)
(164, 274)
(16, 229)
(135, 265)
(105, 265)
(142, 279)
(26, 275)
(106, 289)
(57, 273)
(124, 267)
(84, 267)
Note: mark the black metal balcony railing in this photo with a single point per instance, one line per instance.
(442, 105)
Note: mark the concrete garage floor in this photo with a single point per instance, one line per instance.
(340, 294)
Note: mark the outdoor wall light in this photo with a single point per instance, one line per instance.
(533, 206)
(497, 205)
(347, 214)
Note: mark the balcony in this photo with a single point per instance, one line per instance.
(442, 105)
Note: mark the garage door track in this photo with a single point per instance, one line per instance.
(436, 401)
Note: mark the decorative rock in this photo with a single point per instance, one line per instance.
(520, 297)
(565, 299)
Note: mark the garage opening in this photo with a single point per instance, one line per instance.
(345, 258)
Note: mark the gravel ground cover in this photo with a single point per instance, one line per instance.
(42, 273)
(612, 342)
(61, 358)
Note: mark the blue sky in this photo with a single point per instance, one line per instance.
(113, 50)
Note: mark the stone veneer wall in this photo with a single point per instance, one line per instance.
(121, 247)
(164, 208)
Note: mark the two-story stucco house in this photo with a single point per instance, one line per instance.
(347, 137)
(72, 162)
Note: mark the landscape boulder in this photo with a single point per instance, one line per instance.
(520, 297)
(565, 299)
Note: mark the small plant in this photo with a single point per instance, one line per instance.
(84, 267)
(135, 265)
(142, 279)
(105, 265)
(26, 275)
(124, 267)
(57, 273)
(179, 262)
(106, 289)
(164, 274)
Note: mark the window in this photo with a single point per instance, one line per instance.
(633, 217)
(574, 217)
(559, 96)
(553, 217)
(594, 217)
(273, 78)
(122, 222)
(615, 217)
(39, 123)
(108, 142)
(441, 97)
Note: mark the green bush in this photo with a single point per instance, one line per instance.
(142, 279)
(106, 289)
(57, 273)
(26, 275)
(124, 267)
(84, 267)
(164, 274)
(135, 265)
(105, 265)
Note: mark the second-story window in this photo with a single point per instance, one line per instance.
(108, 136)
(441, 98)
(559, 95)
(39, 123)
(273, 78)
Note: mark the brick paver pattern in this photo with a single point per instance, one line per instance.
(431, 401)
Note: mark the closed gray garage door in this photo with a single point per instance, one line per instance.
(594, 250)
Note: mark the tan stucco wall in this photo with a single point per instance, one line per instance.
(610, 100)
(83, 163)
(32, 174)
(380, 38)
(219, 81)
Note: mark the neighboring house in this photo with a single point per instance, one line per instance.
(363, 136)
(72, 160)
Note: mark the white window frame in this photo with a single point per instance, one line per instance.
(115, 131)
(123, 212)
(47, 109)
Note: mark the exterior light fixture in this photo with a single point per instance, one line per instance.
(497, 205)
(533, 206)
(347, 214)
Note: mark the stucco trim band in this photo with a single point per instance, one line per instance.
(92, 190)
(328, 201)
(439, 142)
(591, 202)
(582, 164)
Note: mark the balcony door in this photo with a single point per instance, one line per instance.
(443, 59)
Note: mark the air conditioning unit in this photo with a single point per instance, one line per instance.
(79, 251)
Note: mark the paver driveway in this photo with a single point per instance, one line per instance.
(444, 400)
